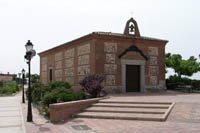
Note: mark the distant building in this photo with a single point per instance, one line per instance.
(7, 77)
(129, 62)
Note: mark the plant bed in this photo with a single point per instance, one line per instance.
(53, 92)
(54, 97)
(40, 110)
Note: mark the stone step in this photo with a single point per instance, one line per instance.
(121, 116)
(131, 102)
(130, 105)
(125, 110)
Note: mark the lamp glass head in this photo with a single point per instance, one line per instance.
(29, 46)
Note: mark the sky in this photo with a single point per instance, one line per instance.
(48, 23)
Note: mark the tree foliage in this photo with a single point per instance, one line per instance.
(35, 78)
(180, 66)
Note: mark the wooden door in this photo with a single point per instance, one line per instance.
(132, 78)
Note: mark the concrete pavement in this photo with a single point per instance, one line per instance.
(11, 118)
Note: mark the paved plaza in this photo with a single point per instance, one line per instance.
(184, 118)
(11, 118)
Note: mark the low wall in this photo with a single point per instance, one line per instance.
(63, 111)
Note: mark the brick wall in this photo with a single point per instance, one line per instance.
(99, 53)
(109, 48)
(69, 63)
(63, 111)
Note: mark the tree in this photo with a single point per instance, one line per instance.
(182, 67)
(35, 78)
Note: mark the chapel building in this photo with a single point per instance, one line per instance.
(129, 62)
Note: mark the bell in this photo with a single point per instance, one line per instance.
(131, 28)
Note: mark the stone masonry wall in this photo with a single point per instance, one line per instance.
(44, 69)
(69, 65)
(83, 54)
(110, 66)
(154, 69)
(58, 66)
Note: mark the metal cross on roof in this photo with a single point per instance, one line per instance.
(132, 14)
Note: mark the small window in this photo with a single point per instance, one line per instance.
(50, 74)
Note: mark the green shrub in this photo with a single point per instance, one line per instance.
(54, 92)
(54, 87)
(56, 84)
(6, 91)
(48, 98)
(17, 87)
(196, 84)
(47, 111)
(66, 97)
(60, 90)
(79, 95)
(51, 97)
(1, 84)
(9, 87)
(37, 92)
(172, 86)
(10, 84)
(186, 81)
(175, 81)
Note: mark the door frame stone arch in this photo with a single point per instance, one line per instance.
(140, 63)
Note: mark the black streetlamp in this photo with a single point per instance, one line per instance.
(23, 76)
(29, 55)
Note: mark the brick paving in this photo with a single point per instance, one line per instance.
(184, 118)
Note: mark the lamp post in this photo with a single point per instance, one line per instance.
(23, 76)
(29, 54)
